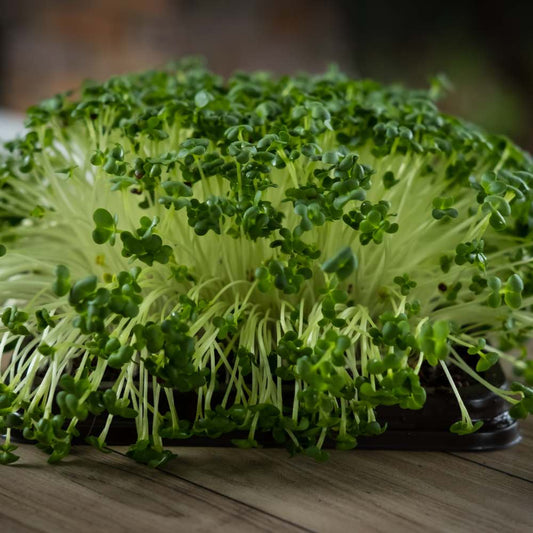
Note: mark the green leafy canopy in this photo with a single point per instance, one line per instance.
(291, 251)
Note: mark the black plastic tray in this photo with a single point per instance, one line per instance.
(424, 429)
(428, 428)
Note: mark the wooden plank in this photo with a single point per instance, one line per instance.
(92, 491)
(263, 490)
(365, 490)
(10, 525)
(517, 461)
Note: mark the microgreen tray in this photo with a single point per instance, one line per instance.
(424, 429)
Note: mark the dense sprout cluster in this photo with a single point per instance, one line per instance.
(286, 251)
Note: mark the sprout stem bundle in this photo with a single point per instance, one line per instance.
(287, 251)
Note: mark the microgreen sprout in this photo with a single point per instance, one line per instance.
(290, 251)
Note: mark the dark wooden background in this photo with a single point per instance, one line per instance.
(486, 48)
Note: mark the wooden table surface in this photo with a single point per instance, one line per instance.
(221, 489)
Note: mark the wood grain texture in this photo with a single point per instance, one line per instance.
(223, 489)
(366, 490)
(92, 491)
(517, 462)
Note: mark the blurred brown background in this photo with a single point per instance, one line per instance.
(48, 46)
